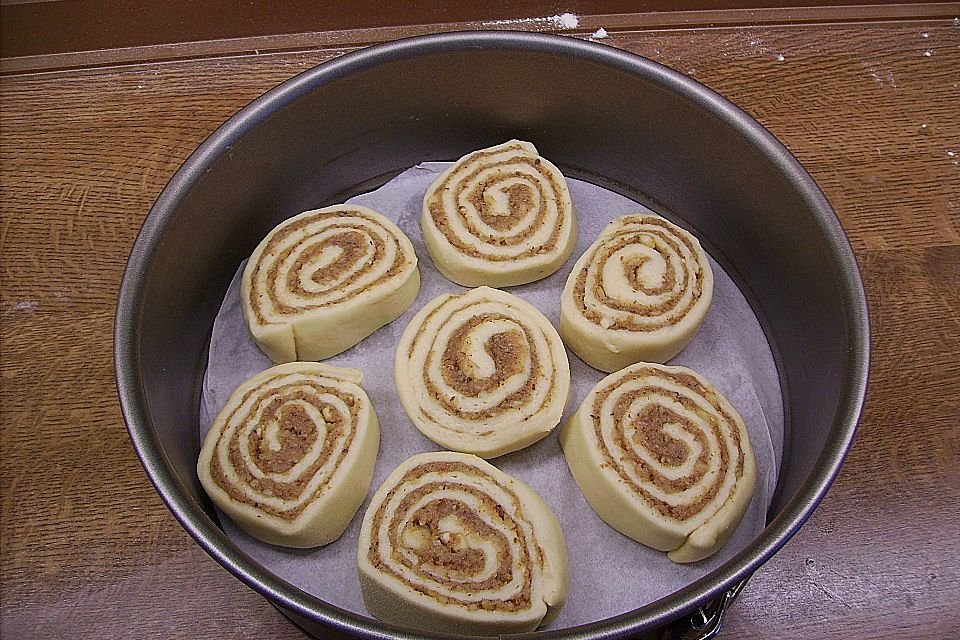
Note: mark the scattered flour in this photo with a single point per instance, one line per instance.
(600, 33)
(514, 22)
(561, 21)
(883, 77)
(566, 21)
(886, 79)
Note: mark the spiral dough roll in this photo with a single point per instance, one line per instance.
(290, 456)
(662, 457)
(638, 294)
(499, 217)
(450, 543)
(324, 280)
(483, 372)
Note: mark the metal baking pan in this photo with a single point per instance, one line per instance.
(604, 115)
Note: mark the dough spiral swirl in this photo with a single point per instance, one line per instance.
(499, 217)
(450, 542)
(290, 456)
(662, 457)
(638, 294)
(483, 372)
(324, 280)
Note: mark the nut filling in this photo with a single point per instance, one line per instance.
(454, 533)
(323, 260)
(509, 350)
(501, 205)
(655, 262)
(283, 437)
(482, 372)
(648, 425)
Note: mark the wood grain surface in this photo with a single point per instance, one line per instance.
(62, 34)
(88, 550)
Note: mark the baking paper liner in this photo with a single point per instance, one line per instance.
(610, 574)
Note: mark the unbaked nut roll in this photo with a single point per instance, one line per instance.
(290, 457)
(499, 217)
(483, 372)
(450, 543)
(638, 294)
(324, 280)
(662, 457)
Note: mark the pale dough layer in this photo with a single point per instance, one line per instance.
(451, 345)
(647, 286)
(353, 298)
(405, 601)
(339, 487)
(687, 539)
(475, 245)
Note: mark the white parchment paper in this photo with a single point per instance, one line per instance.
(610, 574)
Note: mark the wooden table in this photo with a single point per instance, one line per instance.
(872, 109)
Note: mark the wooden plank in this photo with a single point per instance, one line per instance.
(87, 25)
(85, 33)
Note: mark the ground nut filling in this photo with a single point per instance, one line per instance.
(643, 276)
(479, 363)
(671, 440)
(284, 442)
(456, 534)
(323, 260)
(502, 205)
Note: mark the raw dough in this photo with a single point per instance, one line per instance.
(662, 457)
(450, 543)
(290, 457)
(638, 294)
(324, 280)
(483, 372)
(499, 217)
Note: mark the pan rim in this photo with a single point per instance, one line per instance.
(206, 533)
